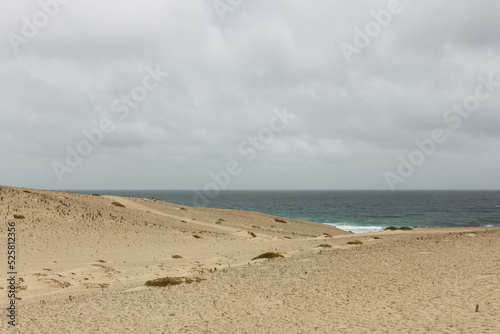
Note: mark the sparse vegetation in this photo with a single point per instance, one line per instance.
(287, 237)
(118, 204)
(169, 281)
(268, 255)
(327, 235)
(222, 220)
(218, 222)
(376, 237)
(280, 221)
(96, 195)
(183, 209)
(176, 257)
(19, 217)
(27, 191)
(196, 236)
(252, 234)
(355, 242)
(255, 226)
(325, 245)
(394, 228)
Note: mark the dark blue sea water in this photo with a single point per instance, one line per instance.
(357, 211)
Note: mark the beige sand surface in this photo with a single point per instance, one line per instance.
(84, 262)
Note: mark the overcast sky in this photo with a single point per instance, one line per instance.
(364, 80)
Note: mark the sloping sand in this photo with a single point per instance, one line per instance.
(84, 263)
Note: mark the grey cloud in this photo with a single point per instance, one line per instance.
(227, 77)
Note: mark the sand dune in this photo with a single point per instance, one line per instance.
(84, 262)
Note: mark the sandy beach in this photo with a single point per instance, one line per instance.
(83, 261)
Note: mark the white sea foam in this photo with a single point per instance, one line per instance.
(358, 228)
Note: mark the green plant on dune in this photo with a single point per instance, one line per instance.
(268, 255)
(354, 242)
(19, 217)
(394, 228)
(183, 209)
(280, 221)
(169, 281)
(118, 204)
(325, 245)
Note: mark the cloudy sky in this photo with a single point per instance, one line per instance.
(164, 94)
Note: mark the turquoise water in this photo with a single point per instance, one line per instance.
(357, 211)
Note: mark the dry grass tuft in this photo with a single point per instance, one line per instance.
(118, 204)
(355, 242)
(19, 217)
(268, 255)
(176, 257)
(252, 234)
(325, 245)
(280, 221)
(169, 281)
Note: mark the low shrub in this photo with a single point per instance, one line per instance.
(268, 255)
(19, 217)
(118, 204)
(176, 257)
(252, 234)
(391, 228)
(325, 245)
(169, 281)
(354, 242)
(280, 221)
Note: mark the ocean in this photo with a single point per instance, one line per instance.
(356, 211)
